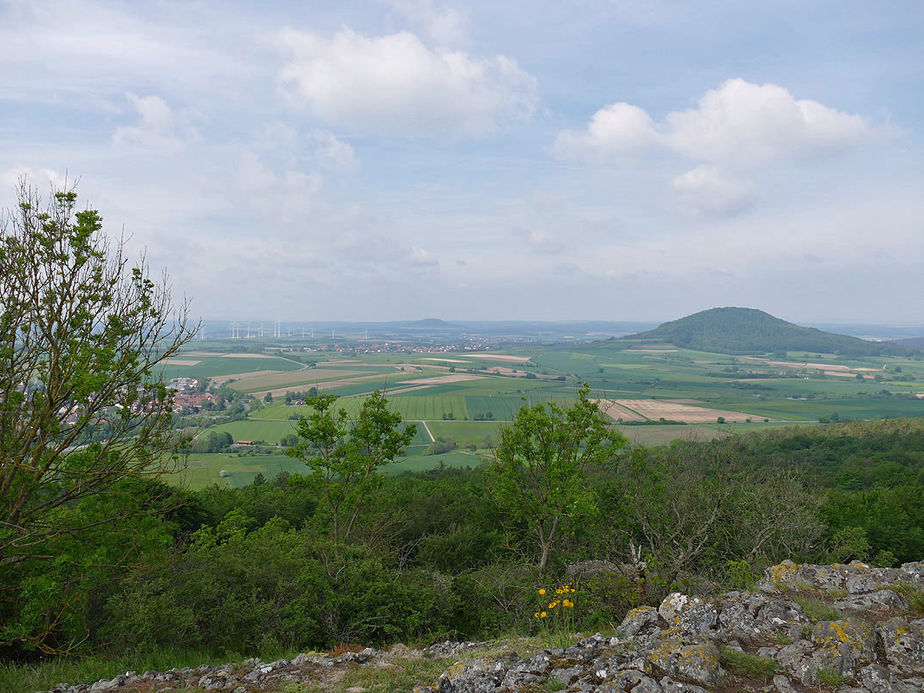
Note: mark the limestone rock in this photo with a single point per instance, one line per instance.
(688, 614)
(843, 645)
(697, 662)
(674, 648)
(903, 643)
(638, 620)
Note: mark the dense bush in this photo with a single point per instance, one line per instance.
(431, 556)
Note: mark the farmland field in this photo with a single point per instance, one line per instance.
(200, 366)
(470, 405)
(204, 469)
(257, 430)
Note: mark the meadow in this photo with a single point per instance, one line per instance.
(467, 398)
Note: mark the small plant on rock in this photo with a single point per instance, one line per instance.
(914, 595)
(828, 677)
(748, 665)
(817, 610)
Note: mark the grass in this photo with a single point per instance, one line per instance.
(817, 610)
(425, 463)
(211, 366)
(404, 674)
(397, 675)
(747, 665)
(202, 470)
(914, 595)
(465, 432)
(257, 429)
(44, 675)
(827, 677)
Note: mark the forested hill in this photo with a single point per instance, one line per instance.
(745, 330)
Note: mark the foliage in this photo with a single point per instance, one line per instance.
(82, 409)
(694, 507)
(213, 441)
(440, 446)
(540, 467)
(343, 458)
(257, 568)
(239, 587)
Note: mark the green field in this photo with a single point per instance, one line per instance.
(203, 470)
(256, 430)
(213, 366)
(785, 395)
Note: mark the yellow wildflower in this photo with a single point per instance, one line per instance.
(542, 615)
(541, 591)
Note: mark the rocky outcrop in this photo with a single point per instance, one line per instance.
(319, 670)
(849, 628)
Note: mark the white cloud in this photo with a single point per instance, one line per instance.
(333, 152)
(739, 124)
(41, 179)
(616, 130)
(544, 241)
(396, 84)
(419, 256)
(708, 191)
(443, 25)
(734, 131)
(160, 125)
(749, 124)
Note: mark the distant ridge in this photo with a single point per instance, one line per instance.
(748, 330)
(426, 322)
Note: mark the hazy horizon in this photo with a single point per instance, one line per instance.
(633, 161)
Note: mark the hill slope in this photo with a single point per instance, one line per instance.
(747, 330)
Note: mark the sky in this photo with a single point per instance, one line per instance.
(517, 160)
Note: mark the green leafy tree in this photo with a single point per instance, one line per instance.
(82, 408)
(540, 469)
(345, 457)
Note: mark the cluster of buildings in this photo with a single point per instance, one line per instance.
(187, 399)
